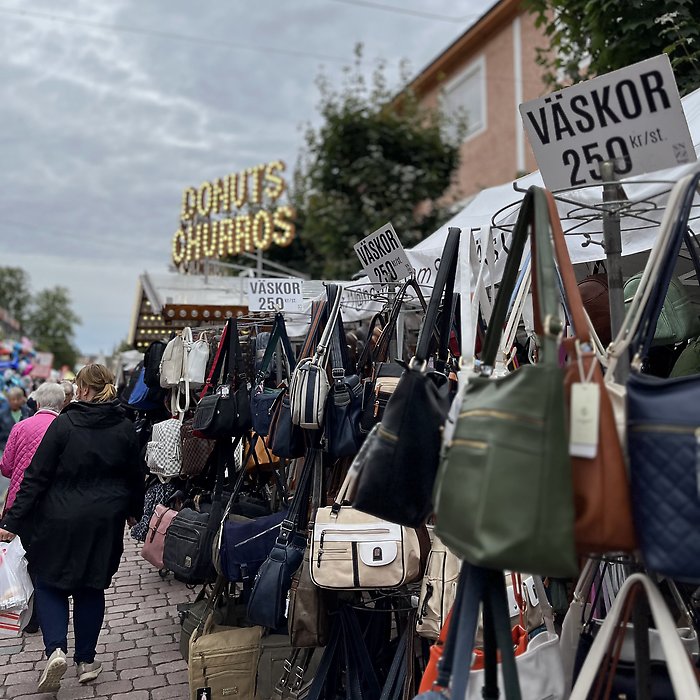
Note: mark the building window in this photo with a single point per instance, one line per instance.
(464, 97)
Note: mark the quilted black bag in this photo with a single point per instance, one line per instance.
(398, 463)
(226, 411)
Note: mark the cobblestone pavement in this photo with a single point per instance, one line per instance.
(138, 646)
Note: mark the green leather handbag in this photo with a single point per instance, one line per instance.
(504, 496)
(679, 316)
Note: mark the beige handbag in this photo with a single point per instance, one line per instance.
(438, 590)
(351, 550)
(225, 661)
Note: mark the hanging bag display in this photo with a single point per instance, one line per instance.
(197, 361)
(351, 550)
(508, 462)
(310, 387)
(164, 449)
(600, 483)
(225, 412)
(268, 600)
(663, 416)
(597, 669)
(262, 398)
(195, 451)
(154, 544)
(399, 460)
(151, 363)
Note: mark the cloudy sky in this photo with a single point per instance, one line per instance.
(109, 109)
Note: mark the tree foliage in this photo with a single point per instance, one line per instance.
(15, 294)
(374, 158)
(592, 37)
(51, 325)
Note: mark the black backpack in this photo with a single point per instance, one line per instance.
(151, 364)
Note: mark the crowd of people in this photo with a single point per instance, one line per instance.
(72, 458)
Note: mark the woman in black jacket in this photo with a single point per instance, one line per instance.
(83, 484)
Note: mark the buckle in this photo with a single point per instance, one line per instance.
(338, 373)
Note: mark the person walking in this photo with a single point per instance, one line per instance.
(83, 485)
(26, 435)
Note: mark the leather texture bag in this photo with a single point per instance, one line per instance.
(226, 412)
(188, 541)
(399, 460)
(143, 397)
(688, 363)
(173, 363)
(351, 550)
(195, 451)
(151, 363)
(508, 462)
(663, 419)
(164, 449)
(594, 671)
(438, 590)
(342, 436)
(310, 387)
(152, 550)
(600, 483)
(678, 320)
(224, 660)
(262, 399)
(596, 300)
(268, 599)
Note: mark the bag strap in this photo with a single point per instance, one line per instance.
(215, 371)
(444, 282)
(678, 663)
(322, 349)
(279, 334)
(318, 313)
(339, 350)
(533, 223)
(233, 363)
(393, 686)
(293, 522)
(328, 661)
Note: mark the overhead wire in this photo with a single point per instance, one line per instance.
(409, 12)
(172, 36)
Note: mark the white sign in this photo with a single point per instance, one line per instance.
(382, 256)
(632, 116)
(273, 294)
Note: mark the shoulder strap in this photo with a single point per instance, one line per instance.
(322, 349)
(339, 348)
(217, 365)
(318, 312)
(233, 364)
(279, 334)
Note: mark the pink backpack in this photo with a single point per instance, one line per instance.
(152, 550)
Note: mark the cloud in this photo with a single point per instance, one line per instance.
(104, 128)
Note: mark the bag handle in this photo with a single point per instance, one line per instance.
(533, 223)
(233, 364)
(215, 371)
(300, 501)
(318, 313)
(339, 350)
(279, 334)
(444, 282)
(321, 355)
(678, 663)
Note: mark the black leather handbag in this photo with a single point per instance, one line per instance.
(398, 463)
(187, 550)
(263, 399)
(225, 412)
(267, 604)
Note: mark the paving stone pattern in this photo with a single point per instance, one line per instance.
(138, 646)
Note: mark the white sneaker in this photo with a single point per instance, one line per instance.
(50, 681)
(88, 672)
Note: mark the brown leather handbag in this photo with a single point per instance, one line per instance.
(596, 300)
(601, 488)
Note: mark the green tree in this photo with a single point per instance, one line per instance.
(15, 294)
(591, 37)
(51, 325)
(376, 157)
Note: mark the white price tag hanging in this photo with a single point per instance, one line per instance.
(584, 413)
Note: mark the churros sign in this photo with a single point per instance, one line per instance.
(214, 223)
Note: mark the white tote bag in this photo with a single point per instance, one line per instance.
(197, 361)
(678, 662)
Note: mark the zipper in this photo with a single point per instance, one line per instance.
(661, 428)
(476, 444)
(255, 537)
(503, 415)
(381, 430)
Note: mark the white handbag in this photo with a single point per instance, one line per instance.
(309, 387)
(678, 662)
(351, 550)
(173, 362)
(163, 451)
(438, 590)
(197, 361)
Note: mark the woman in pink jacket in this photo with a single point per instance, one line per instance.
(26, 435)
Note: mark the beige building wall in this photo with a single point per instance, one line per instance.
(500, 151)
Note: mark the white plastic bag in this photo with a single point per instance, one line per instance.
(15, 585)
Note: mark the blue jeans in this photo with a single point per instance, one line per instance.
(88, 616)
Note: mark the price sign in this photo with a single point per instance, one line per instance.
(632, 116)
(382, 256)
(272, 294)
